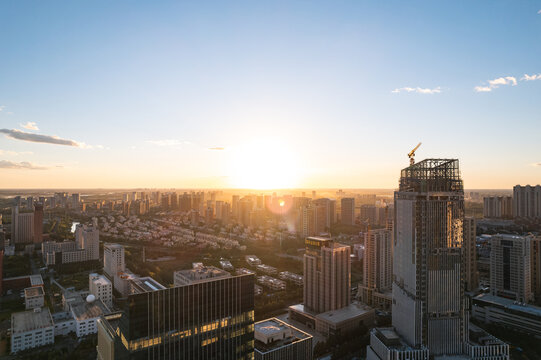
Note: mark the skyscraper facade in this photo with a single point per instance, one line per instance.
(38, 223)
(471, 277)
(377, 266)
(429, 314)
(207, 320)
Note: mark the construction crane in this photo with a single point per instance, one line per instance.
(411, 154)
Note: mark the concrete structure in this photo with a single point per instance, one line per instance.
(347, 211)
(267, 269)
(271, 283)
(327, 275)
(22, 227)
(276, 340)
(34, 297)
(294, 278)
(101, 288)
(198, 275)
(471, 276)
(378, 267)
(535, 264)
(510, 271)
(508, 313)
(85, 247)
(429, 313)
(88, 238)
(38, 223)
(31, 329)
(498, 207)
(86, 314)
(113, 259)
(527, 202)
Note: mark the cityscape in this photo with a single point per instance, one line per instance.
(270, 181)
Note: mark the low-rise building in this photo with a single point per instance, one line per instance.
(252, 260)
(101, 288)
(276, 340)
(86, 313)
(226, 265)
(34, 297)
(508, 313)
(271, 282)
(294, 278)
(267, 269)
(31, 329)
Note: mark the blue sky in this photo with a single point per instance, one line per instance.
(305, 86)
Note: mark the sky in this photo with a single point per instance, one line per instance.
(267, 94)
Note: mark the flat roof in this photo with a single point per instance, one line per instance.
(146, 284)
(85, 310)
(30, 320)
(36, 280)
(100, 279)
(274, 325)
(33, 291)
(509, 304)
(202, 273)
(346, 313)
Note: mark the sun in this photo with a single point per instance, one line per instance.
(264, 164)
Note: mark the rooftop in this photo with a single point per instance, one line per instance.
(30, 320)
(145, 284)
(201, 273)
(437, 175)
(508, 304)
(346, 313)
(271, 326)
(88, 310)
(33, 291)
(99, 279)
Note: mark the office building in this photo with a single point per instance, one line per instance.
(327, 272)
(101, 288)
(429, 314)
(347, 211)
(510, 271)
(527, 202)
(471, 276)
(377, 269)
(498, 207)
(88, 238)
(113, 259)
(31, 329)
(276, 340)
(208, 320)
(34, 297)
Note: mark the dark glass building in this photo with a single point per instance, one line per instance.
(209, 320)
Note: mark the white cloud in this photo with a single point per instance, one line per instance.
(417, 90)
(30, 125)
(483, 88)
(539, 12)
(5, 164)
(527, 77)
(495, 83)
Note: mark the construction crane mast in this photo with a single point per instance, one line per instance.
(411, 154)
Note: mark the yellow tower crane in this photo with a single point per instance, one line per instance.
(411, 154)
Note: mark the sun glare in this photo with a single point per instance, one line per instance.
(264, 164)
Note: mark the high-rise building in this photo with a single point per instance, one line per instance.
(38, 223)
(75, 201)
(347, 211)
(429, 314)
(498, 207)
(245, 206)
(326, 215)
(535, 265)
(471, 277)
(377, 268)
(22, 226)
(113, 259)
(307, 221)
(369, 214)
(527, 202)
(88, 238)
(208, 320)
(327, 275)
(510, 271)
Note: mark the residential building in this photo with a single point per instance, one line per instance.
(498, 207)
(113, 259)
(327, 272)
(347, 211)
(377, 269)
(38, 223)
(510, 267)
(22, 227)
(527, 202)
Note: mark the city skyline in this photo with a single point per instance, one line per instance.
(266, 96)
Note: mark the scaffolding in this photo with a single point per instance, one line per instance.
(432, 175)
